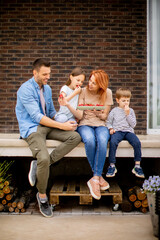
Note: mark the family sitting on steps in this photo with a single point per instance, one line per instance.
(38, 121)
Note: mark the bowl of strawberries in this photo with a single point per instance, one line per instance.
(90, 106)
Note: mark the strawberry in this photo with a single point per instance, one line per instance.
(61, 95)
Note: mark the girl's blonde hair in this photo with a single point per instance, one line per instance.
(76, 72)
(102, 79)
(123, 92)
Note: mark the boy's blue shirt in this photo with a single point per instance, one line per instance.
(28, 108)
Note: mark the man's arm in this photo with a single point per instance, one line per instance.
(31, 105)
(70, 125)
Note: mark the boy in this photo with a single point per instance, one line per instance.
(121, 122)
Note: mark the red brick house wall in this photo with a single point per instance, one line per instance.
(106, 34)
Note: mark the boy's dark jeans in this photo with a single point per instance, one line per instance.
(117, 137)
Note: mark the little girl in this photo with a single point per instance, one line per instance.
(70, 93)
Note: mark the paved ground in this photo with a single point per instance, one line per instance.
(74, 222)
(71, 227)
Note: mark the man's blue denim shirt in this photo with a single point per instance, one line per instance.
(28, 108)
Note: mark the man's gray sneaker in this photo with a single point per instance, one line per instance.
(32, 173)
(44, 208)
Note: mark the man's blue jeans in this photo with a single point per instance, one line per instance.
(117, 137)
(95, 140)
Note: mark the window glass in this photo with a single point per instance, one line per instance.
(153, 66)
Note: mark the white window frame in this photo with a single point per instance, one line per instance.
(152, 74)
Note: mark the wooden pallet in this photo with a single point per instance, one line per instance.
(78, 187)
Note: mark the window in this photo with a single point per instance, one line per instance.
(153, 59)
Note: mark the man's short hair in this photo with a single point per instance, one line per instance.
(38, 63)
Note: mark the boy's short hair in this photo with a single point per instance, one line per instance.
(38, 63)
(123, 92)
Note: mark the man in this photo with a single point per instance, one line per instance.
(35, 113)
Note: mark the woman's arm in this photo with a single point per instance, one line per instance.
(103, 114)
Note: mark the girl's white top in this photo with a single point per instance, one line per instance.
(73, 102)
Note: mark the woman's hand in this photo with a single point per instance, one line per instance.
(101, 114)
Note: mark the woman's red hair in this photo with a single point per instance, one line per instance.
(102, 79)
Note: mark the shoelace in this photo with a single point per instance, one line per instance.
(97, 187)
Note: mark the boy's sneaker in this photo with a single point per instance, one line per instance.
(138, 172)
(32, 173)
(44, 208)
(111, 171)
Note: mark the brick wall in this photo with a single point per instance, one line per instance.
(106, 34)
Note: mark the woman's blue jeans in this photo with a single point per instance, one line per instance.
(117, 137)
(96, 141)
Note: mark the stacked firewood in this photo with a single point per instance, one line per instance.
(136, 199)
(11, 200)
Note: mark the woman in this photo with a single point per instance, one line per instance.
(92, 127)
